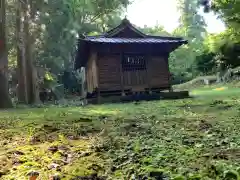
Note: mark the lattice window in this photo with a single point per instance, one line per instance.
(133, 62)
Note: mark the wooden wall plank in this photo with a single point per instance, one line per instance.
(105, 72)
(158, 71)
(109, 72)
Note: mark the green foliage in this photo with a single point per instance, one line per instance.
(179, 177)
(222, 50)
(192, 23)
(181, 77)
(70, 81)
(207, 53)
(55, 26)
(231, 175)
(229, 11)
(157, 30)
(225, 45)
(230, 55)
(205, 63)
(192, 27)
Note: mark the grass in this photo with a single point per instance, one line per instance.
(219, 90)
(193, 139)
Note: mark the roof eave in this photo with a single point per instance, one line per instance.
(91, 41)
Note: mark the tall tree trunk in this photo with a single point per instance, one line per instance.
(29, 65)
(27, 81)
(21, 90)
(5, 100)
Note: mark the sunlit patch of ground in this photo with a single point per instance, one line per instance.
(215, 91)
(220, 89)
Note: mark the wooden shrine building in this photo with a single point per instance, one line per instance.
(125, 60)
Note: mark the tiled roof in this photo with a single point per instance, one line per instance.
(140, 38)
(133, 40)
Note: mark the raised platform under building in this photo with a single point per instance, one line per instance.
(117, 98)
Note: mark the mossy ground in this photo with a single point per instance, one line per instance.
(195, 138)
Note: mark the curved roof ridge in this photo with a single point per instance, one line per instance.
(125, 23)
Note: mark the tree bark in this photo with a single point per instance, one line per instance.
(21, 89)
(27, 80)
(5, 100)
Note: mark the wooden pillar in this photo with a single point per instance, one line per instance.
(98, 96)
(98, 80)
(169, 75)
(121, 74)
(147, 72)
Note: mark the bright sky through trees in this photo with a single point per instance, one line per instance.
(164, 12)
